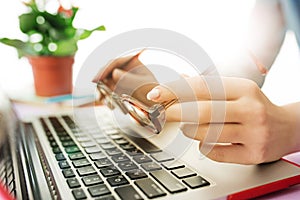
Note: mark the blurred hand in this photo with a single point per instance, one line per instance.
(128, 75)
(252, 129)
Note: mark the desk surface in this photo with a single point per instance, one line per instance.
(27, 110)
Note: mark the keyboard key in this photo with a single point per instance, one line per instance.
(88, 144)
(113, 152)
(56, 150)
(61, 133)
(134, 152)
(99, 136)
(110, 171)
(92, 180)
(168, 181)
(196, 182)
(120, 158)
(183, 173)
(126, 166)
(107, 146)
(128, 192)
(149, 188)
(136, 174)
(65, 138)
(102, 140)
(60, 157)
(117, 181)
(98, 190)
(141, 159)
(76, 156)
(83, 139)
(109, 197)
(173, 164)
(161, 157)
(72, 149)
(127, 147)
(84, 171)
(79, 194)
(51, 138)
(63, 164)
(115, 136)
(121, 141)
(53, 144)
(80, 134)
(73, 182)
(68, 143)
(144, 144)
(81, 163)
(97, 156)
(94, 149)
(150, 166)
(102, 163)
(68, 173)
(111, 131)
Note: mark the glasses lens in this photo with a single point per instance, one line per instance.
(105, 94)
(150, 118)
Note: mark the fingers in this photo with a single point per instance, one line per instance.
(202, 88)
(204, 112)
(105, 71)
(133, 84)
(214, 133)
(125, 63)
(230, 153)
(117, 74)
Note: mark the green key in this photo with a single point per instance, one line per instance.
(72, 149)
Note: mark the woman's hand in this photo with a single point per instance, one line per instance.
(128, 75)
(252, 129)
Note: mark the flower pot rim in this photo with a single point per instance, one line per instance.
(49, 56)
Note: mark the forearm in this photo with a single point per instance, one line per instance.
(243, 66)
(265, 37)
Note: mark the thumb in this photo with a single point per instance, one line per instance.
(160, 93)
(180, 89)
(117, 74)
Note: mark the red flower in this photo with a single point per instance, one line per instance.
(67, 13)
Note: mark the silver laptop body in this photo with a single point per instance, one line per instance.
(72, 156)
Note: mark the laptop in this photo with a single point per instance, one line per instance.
(69, 155)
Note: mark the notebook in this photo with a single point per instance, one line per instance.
(71, 155)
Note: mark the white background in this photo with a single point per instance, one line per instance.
(218, 26)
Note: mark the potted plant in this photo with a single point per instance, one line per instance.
(50, 45)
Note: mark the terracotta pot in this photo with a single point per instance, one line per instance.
(52, 75)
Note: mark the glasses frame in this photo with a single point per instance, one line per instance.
(151, 118)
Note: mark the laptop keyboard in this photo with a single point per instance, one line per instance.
(7, 177)
(107, 164)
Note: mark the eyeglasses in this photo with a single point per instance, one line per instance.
(152, 118)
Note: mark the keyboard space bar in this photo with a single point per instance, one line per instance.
(144, 144)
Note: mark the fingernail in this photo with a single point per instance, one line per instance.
(117, 73)
(153, 94)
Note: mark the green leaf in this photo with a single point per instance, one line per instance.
(27, 22)
(74, 9)
(13, 42)
(23, 48)
(66, 48)
(55, 21)
(32, 4)
(70, 32)
(86, 33)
